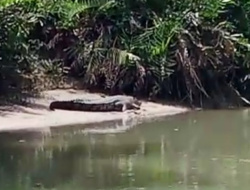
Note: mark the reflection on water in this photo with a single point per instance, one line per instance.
(204, 150)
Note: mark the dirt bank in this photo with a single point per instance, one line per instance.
(37, 115)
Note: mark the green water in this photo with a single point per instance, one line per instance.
(200, 150)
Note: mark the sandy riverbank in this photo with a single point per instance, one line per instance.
(37, 115)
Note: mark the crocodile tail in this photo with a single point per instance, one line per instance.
(60, 105)
(52, 106)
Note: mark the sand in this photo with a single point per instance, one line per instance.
(37, 116)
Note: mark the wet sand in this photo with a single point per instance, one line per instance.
(38, 116)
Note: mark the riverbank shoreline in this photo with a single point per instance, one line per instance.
(37, 115)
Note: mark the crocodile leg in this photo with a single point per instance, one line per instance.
(124, 107)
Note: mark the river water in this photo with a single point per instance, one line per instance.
(206, 150)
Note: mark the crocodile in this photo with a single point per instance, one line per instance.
(111, 103)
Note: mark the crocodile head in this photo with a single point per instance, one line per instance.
(134, 104)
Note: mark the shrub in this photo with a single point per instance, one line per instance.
(176, 50)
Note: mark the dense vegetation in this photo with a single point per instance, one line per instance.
(190, 51)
